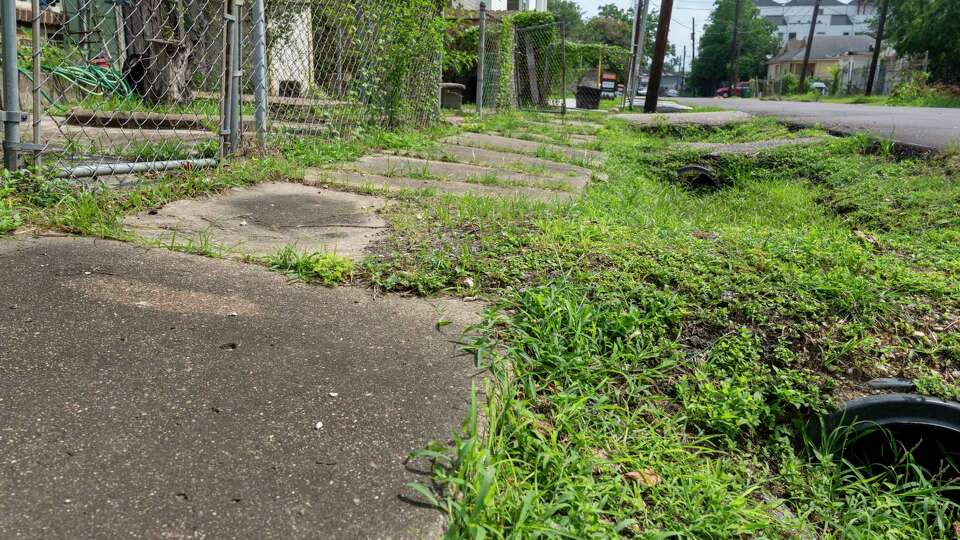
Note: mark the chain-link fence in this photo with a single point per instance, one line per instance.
(540, 68)
(117, 86)
(851, 78)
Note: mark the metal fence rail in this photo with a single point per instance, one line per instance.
(117, 86)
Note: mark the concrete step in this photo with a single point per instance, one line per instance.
(502, 160)
(705, 119)
(320, 177)
(389, 165)
(530, 148)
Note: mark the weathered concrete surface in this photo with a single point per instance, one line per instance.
(398, 183)
(707, 119)
(153, 394)
(749, 148)
(389, 165)
(265, 218)
(520, 146)
(570, 139)
(506, 160)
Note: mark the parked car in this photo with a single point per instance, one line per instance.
(740, 90)
(672, 92)
(642, 91)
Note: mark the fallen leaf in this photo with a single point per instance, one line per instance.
(702, 235)
(645, 477)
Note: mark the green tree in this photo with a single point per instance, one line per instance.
(568, 12)
(916, 27)
(711, 68)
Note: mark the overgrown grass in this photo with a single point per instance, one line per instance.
(933, 100)
(658, 350)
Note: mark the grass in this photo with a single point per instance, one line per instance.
(328, 269)
(655, 351)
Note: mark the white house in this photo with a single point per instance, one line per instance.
(502, 5)
(835, 18)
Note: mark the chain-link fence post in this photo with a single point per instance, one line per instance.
(259, 71)
(481, 58)
(37, 111)
(11, 88)
(236, 78)
(563, 69)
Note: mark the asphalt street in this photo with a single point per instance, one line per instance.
(930, 127)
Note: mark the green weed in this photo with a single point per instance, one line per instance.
(326, 268)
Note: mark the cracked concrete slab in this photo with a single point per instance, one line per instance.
(706, 119)
(391, 165)
(263, 219)
(520, 146)
(749, 148)
(506, 160)
(154, 394)
(399, 183)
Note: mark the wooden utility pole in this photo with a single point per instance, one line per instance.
(683, 69)
(659, 54)
(809, 45)
(735, 54)
(693, 38)
(877, 46)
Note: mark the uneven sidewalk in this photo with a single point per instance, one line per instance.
(155, 394)
(705, 119)
(749, 148)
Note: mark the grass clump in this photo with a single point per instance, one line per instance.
(327, 269)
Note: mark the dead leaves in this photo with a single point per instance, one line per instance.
(644, 477)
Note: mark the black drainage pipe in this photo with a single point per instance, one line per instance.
(875, 430)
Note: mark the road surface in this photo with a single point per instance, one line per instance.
(919, 126)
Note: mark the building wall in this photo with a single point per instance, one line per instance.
(798, 19)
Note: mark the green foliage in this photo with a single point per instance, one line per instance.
(789, 84)
(711, 68)
(835, 72)
(326, 268)
(613, 58)
(734, 393)
(528, 19)
(506, 64)
(919, 27)
(461, 45)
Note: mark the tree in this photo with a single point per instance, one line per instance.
(711, 67)
(917, 27)
(158, 49)
(568, 12)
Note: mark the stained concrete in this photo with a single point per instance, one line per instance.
(398, 183)
(390, 165)
(263, 219)
(706, 119)
(519, 146)
(749, 148)
(154, 394)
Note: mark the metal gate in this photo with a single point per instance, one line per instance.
(540, 64)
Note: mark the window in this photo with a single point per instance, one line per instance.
(793, 35)
(846, 33)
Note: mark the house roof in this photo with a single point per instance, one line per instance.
(826, 47)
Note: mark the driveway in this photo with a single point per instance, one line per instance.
(921, 126)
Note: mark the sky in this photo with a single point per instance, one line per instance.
(683, 13)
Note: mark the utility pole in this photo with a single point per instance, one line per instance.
(639, 45)
(627, 96)
(659, 53)
(735, 55)
(693, 38)
(683, 69)
(877, 46)
(806, 54)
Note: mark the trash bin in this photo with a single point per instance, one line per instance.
(746, 92)
(588, 97)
